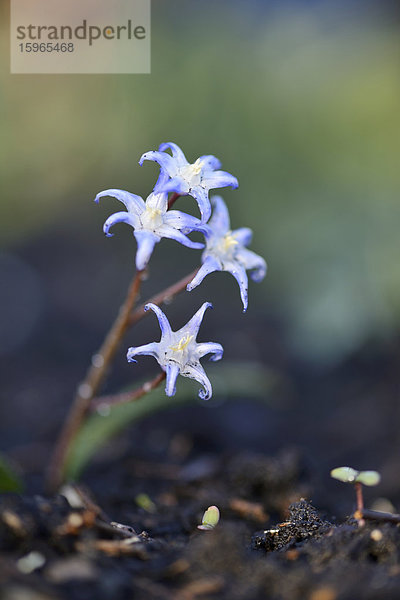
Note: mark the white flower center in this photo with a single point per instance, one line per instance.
(183, 343)
(192, 173)
(151, 218)
(180, 352)
(225, 246)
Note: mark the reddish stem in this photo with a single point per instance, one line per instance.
(96, 373)
(173, 199)
(168, 294)
(359, 496)
(105, 402)
(360, 503)
(91, 384)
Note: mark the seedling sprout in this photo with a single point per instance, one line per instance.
(210, 519)
(358, 479)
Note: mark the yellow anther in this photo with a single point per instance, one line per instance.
(152, 217)
(197, 166)
(153, 213)
(183, 343)
(229, 241)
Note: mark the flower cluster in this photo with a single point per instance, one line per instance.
(224, 250)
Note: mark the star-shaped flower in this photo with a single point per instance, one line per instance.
(225, 251)
(151, 221)
(178, 352)
(184, 178)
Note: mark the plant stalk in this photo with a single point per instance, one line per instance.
(103, 403)
(166, 295)
(173, 199)
(359, 496)
(96, 373)
(89, 387)
(360, 503)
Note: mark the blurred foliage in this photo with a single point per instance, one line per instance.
(301, 104)
(9, 480)
(229, 381)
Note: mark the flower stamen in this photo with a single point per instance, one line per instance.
(183, 343)
(197, 166)
(152, 217)
(229, 241)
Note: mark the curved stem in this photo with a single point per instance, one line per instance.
(91, 384)
(165, 296)
(103, 403)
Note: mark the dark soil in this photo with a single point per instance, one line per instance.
(270, 542)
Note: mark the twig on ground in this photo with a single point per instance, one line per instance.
(374, 515)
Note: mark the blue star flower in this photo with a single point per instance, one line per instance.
(225, 251)
(178, 352)
(184, 178)
(151, 221)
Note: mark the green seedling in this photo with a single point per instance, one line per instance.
(210, 519)
(144, 501)
(358, 479)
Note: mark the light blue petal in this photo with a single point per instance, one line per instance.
(210, 348)
(176, 153)
(174, 234)
(172, 371)
(145, 242)
(210, 161)
(163, 177)
(207, 231)
(210, 264)
(150, 349)
(252, 261)
(166, 162)
(119, 217)
(176, 184)
(196, 371)
(157, 201)
(193, 326)
(239, 273)
(182, 221)
(133, 203)
(200, 194)
(162, 319)
(220, 221)
(218, 179)
(243, 235)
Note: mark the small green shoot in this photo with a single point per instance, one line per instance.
(144, 501)
(210, 519)
(358, 479)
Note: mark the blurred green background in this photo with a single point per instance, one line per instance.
(300, 101)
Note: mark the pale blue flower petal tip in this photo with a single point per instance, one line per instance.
(178, 352)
